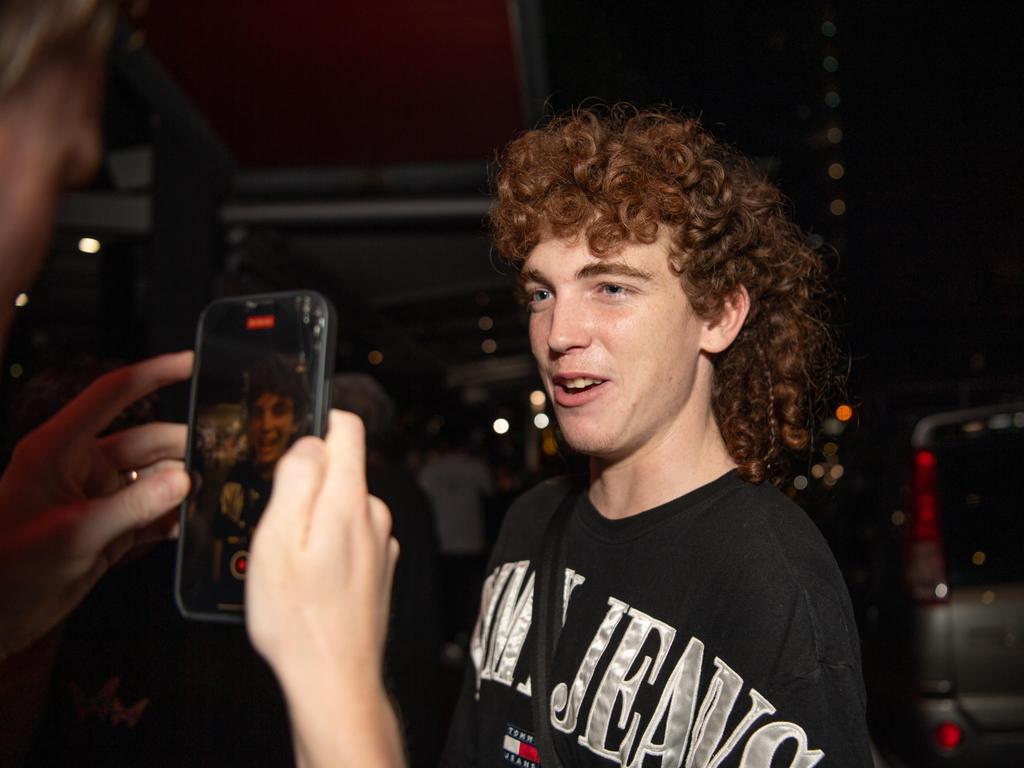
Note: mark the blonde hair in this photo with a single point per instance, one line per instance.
(34, 32)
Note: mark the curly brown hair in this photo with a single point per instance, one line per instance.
(618, 175)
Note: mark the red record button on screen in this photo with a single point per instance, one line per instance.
(239, 564)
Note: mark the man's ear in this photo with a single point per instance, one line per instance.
(720, 331)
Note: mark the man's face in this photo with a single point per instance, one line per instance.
(617, 344)
(271, 428)
(49, 139)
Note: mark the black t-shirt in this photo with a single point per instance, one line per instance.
(712, 630)
(243, 498)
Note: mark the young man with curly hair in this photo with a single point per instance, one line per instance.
(277, 411)
(677, 324)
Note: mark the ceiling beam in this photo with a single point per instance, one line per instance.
(383, 212)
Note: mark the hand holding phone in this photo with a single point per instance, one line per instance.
(261, 382)
(322, 565)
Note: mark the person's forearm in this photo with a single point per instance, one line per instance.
(317, 603)
(343, 720)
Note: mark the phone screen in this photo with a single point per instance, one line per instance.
(260, 383)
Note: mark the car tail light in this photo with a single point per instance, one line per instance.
(925, 564)
(949, 735)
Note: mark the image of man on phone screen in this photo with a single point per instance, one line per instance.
(277, 409)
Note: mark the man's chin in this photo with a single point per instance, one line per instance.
(265, 465)
(596, 445)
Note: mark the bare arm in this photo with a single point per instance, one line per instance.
(317, 600)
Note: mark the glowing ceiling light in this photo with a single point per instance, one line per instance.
(89, 245)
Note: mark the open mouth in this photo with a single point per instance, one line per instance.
(266, 447)
(576, 385)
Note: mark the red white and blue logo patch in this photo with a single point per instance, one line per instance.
(519, 748)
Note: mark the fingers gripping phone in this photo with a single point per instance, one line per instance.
(261, 381)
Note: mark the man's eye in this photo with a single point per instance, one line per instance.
(540, 294)
(611, 289)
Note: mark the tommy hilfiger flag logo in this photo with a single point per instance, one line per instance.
(519, 748)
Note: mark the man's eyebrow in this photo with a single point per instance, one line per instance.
(528, 275)
(615, 268)
(596, 269)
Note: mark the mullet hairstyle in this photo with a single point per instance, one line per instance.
(34, 33)
(616, 176)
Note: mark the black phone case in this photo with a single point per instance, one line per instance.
(321, 411)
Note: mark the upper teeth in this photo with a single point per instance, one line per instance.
(579, 383)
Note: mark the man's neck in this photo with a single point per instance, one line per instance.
(659, 472)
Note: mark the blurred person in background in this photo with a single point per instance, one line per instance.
(413, 650)
(459, 484)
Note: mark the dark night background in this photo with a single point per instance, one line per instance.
(932, 109)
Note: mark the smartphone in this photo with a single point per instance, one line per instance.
(262, 380)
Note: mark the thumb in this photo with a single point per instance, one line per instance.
(298, 478)
(132, 508)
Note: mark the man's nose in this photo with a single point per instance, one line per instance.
(570, 325)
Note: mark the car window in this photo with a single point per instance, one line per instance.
(981, 504)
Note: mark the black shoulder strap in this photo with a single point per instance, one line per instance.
(548, 585)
